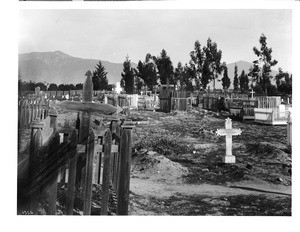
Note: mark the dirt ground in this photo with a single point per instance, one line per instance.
(177, 168)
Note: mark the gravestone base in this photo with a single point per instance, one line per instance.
(229, 159)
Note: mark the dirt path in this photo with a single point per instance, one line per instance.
(162, 190)
(243, 198)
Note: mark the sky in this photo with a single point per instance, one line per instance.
(113, 34)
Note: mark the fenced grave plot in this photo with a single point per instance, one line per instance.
(63, 175)
(81, 157)
(32, 109)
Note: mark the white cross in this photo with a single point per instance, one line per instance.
(252, 92)
(228, 132)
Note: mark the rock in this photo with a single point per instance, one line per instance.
(249, 166)
(151, 153)
(279, 179)
(205, 170)
(142, 151)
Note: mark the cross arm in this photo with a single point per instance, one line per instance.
(88, 107)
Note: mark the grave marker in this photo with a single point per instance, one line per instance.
(86, 136)
(252, 92)
(228, 132)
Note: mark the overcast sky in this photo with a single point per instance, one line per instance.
(112, 34)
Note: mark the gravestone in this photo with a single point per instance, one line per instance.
(228, 132)
(37, 90)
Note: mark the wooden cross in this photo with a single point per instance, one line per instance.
(228, 132)
(85, 108)
(87, 97)
(252, 92)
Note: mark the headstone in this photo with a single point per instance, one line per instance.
(281, 111)
(37, 90)
(228, 132)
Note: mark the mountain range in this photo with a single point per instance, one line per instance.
(60, 68)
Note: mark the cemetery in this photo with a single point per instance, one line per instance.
(159, 139)
(165, 152)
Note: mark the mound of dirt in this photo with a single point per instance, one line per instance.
(151, 165)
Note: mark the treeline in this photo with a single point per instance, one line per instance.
(31, 85)
(204, 67)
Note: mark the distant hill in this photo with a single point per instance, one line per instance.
(60, 68)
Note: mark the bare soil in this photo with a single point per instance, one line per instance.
(185, 146)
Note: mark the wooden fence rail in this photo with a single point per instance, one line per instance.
(102, 158)
(30, 110)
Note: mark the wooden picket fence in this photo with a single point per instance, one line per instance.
(268, 102)
(210, 103)
(179, 101)
(30, 110)
(102, 159)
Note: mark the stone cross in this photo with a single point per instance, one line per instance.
(228, 132)
(252, 92)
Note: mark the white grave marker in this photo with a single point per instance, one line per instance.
(228, 132)
(252, 92)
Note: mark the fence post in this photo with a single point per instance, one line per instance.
(36, 142)
(289, 129)
(22, 114)
(124, 174)
(115, 129)
(107, 141)
(84, 130)
(54, 143)
(88, 187)
(72, 178)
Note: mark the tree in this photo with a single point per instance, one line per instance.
(128, 76)
(225, 79)
(188, 77)
(212, 65)
(179, 74)
(165, 68)
(197, 64)
(283, 82)
(147, 71)
(244, 82)
(42, 86)
(110, 87)
(138, 83)
(260, 72)
(62, 87)
(79, 86)
(99, 77)
(281, 77)
(235, 78)
(53, 87)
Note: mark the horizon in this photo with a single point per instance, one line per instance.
(110, 61)
(137, 32)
